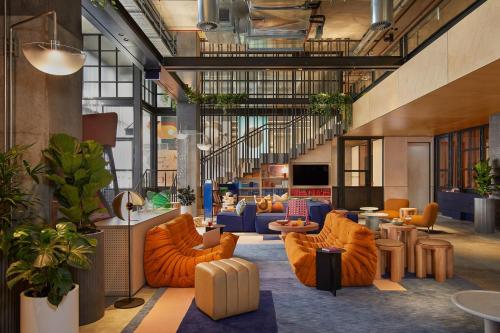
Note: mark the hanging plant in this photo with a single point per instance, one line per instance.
(103, 3)
(328, 104)
(223, 101)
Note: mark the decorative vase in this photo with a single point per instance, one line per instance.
(39, 316)
(484, 215)
(187, 209)
(91, 283)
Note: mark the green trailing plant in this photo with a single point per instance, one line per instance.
(104, 3)
(78, 172)
(484, 179)
(331, 104)
(223, 101)
(17, 201)
(186, 196)
(42, 256)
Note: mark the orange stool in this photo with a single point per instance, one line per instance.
(395, 249)
(434, 256)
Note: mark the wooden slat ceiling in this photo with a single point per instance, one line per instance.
(463, 103)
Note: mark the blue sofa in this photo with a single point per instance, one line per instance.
(250, 221)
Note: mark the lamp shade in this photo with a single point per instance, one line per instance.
(122, 199)
(54, 58)
(204, 146)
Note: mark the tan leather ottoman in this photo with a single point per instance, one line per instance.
(226, 287)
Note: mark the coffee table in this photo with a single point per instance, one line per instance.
(285, 229)
(482, 303)
(406, 233)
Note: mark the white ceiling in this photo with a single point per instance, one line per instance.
(344, 18)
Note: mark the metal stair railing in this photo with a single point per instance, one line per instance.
(269, 143)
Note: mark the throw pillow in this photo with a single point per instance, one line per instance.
(240, 207)
(264, 206)
(277, 207)
(280, 198)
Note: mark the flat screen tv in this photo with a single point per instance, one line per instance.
(310, 174)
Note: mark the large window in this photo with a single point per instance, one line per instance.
(456, 155)
(107, 72)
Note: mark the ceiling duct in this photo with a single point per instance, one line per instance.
(208, 15)
(382, 14)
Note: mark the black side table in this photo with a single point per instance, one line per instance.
(215, 226)
(329, 270)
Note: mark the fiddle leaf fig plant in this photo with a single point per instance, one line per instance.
(484, 179)
(78, 172)
(42, 256)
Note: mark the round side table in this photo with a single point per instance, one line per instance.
(408, 235)
(482, 303)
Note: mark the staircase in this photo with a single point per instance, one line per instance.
(276, 142)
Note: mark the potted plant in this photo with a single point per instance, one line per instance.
(77, 171)
(17, 203)
(484, 207)
(186, 198)
(41, 257)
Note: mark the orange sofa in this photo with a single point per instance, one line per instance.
(359, 262)
(169, 257)
(392, 206)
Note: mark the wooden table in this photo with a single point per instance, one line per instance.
(285, 229)
(116, 249)
(408, 235)
(482, 303)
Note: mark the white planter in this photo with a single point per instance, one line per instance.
(187, 210)
(39, 316)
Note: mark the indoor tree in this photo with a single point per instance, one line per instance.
(484, 179)
(78, 172)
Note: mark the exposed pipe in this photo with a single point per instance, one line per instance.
(372, 35)
(207, 15)
(382, 14)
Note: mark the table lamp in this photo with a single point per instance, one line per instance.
(132, 199)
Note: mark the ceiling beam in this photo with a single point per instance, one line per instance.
(119, 27)
(282, 63)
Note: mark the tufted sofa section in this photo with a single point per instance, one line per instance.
(358, 262)
(169, 256)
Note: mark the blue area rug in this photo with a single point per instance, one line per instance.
(425, 306)
(271, 237)
(263, 320)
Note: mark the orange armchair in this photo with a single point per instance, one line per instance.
(359, 262)
(392, 206)
(428, 218)
(169, 257)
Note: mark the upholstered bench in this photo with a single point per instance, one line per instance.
(226, 287)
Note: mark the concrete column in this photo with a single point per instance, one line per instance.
(188, 155)
(43, 104)
(188, 121)
(494, 153)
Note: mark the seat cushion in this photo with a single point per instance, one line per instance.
(228, 287)
(231, 220)
(262, 221)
